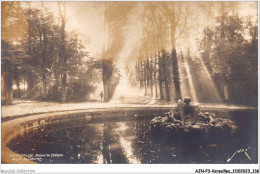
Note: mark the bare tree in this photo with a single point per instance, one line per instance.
(177, 15)
(62, 55)
(160, 27)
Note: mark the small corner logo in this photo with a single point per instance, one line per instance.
(240, 151)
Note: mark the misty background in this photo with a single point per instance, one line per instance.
(131, 51)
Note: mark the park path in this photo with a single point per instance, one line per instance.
(25, 107)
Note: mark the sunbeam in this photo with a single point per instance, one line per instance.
(183, 79)
(191, 85)
(210, 84)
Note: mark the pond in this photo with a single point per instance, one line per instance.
(124, 137)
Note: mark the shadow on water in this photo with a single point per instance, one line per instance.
(246, 136)
(115, 141)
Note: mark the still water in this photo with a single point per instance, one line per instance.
(115, 141)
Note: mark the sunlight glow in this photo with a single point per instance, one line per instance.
(23, 86)
(100, 159)
(192, 89)
(121, 127)
(184, 84)
(126, 145)
(124, 90)
(128, 150)
(210, 83)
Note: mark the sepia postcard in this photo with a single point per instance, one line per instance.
(129, 82)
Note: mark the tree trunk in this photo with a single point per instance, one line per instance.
(147, 72)
(105, 88)
(151, 76)
(107, 71)
(31, 83)
(63, 57)
(44, 87)
(176, 74)
(160, 76)
(8, 88)
(165, 76)
(175, 68)
(64, 83)
(145, 81)
(56, 92)
(155, 74)
(104, 81)
(140, 72)
(44, 60)
(18, 86)
(64, 88)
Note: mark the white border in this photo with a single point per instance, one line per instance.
(130, 168)
(124, 168)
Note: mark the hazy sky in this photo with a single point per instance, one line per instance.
(87, 18)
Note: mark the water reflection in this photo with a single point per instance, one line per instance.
(115, 142)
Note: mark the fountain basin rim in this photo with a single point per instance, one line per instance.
(11, 128)
(136, 107)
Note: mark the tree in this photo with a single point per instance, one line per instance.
(45, 58)
(165, 75)
(225, 49)
(62, 55)
(177, 19)
(155, 73)
(160, 26)
(7, 76)
(11, 17)
(41, 35)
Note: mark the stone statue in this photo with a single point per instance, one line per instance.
(186, 112)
